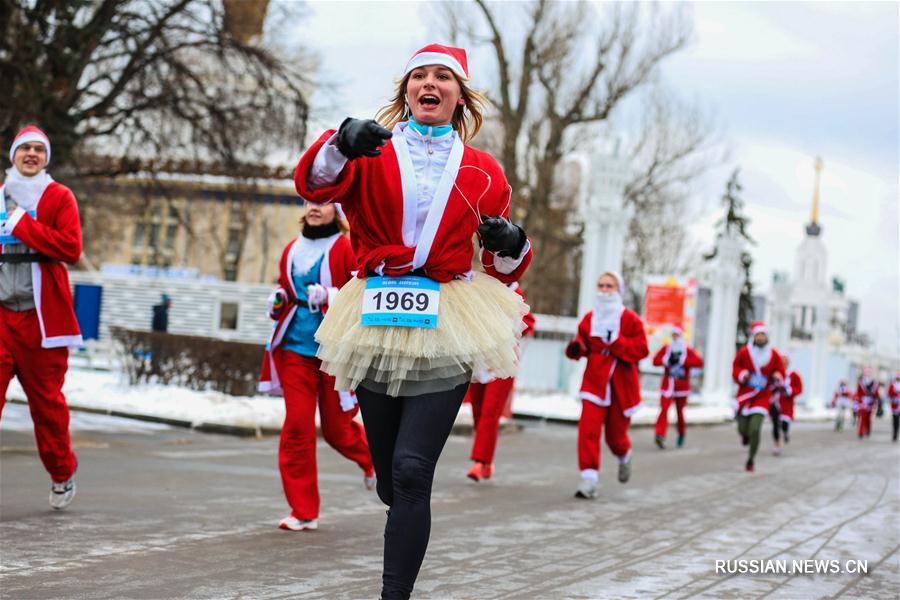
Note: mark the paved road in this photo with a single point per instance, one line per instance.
(166, 513)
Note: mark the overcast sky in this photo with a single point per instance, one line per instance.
(786, 81)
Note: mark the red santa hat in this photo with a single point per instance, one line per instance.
(29, 134)
(759, 327)
(437, 54)
(676, 330)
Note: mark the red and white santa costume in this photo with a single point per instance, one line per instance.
(894, 396)
(34, 342)
(675, 388)
(304, 385)
(843, 397)
(765, 363)
(613, 340)
(787, 394)
(396, 233)
(868, 396)
(489, 398)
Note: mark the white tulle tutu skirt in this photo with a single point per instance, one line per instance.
(479, 326)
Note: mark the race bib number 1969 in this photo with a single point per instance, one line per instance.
(406, 301)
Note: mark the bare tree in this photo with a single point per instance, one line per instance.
(157, 87)
(148, 81)
(566, 68)
(678, 143)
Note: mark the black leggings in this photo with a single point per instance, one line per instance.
(406, 436)
(895, 421)
(775, 413)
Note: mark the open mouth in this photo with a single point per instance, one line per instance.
(429, 100)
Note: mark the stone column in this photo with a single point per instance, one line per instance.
(724, 277)
(605, 216)
(816, 392)
(602, 208)
(779, 318)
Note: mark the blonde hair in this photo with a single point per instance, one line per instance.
(467, 119)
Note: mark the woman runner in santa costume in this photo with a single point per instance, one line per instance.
(489, 397)
(613, 340)
(678, 359)
(842, 400)
(867, 399)
(39, 231)
(781, 408)
(757, 369)
(894, 396)
(311, 269)
(414, 325)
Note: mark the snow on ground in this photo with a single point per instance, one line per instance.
(17, 418)
(109, 391)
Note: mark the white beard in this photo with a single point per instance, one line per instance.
(760, 356)
(607, 315)
(25, 191)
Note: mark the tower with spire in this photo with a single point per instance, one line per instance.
(813, 228)
(811, 262)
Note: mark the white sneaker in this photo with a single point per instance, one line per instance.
(62, 493)
(369, 481)
(292, 523)
(587, 489)
(625, 470)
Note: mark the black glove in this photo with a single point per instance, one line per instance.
(358, 137)
(501, 237)
(674, 358)
(575, 350)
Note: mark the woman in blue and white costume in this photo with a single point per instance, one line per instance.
(312, 268)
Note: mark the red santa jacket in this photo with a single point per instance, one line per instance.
(786, 394)
(842, 397)
(894, 395)
(679, 386)
(867, 396)
(612, 369)
(337, 266)
(56, 232)
(755, 398)
(378, 195)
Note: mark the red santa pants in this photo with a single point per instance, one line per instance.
(305, 386)
(662, 422)
(592, 418)
(488, 401)
(865, 422)
(41, 372)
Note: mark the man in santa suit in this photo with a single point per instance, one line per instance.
(868, 398)
(757, 369)
(489, 397)
(678, 359)
(894, 396)
(782, 407)
(39, 231)
(842, 399)
(613, 340)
